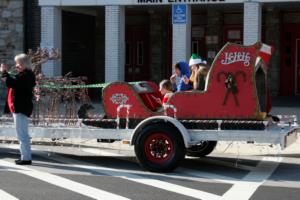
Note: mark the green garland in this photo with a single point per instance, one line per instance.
(55, 86)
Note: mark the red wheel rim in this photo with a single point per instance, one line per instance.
(158, 148)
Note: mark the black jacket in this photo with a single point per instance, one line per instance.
(22, 85)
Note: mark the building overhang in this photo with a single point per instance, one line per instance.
(148, 2)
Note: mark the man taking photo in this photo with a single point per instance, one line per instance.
(20, 102)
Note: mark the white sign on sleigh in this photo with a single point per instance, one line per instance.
(119, 99)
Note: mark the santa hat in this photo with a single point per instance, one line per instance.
(195, 60)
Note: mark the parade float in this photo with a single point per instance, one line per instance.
(234, 106)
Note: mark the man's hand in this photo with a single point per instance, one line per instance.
(3, 67)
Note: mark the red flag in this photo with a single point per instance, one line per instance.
(265, 53)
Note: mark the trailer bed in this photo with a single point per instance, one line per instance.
(284, 134)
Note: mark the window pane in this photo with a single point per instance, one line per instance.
(195, 47)
(140, 53)
(128, 52)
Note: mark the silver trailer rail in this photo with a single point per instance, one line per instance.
(283, 133)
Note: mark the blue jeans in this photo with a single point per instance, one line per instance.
(21, 123)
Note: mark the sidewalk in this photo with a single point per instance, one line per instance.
(286, 106)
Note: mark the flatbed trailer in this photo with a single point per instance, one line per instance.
(161, 142)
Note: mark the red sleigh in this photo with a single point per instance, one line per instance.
(236, 88)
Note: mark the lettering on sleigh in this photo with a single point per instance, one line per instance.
(233, 57)
(119, 99)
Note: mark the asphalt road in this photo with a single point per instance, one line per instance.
(87, 173)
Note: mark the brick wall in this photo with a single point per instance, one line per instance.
(11, 34)
(11, 29)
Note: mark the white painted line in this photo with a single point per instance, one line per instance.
(184, 173)
(95, 151)
(227, 164)
(100, 152)
(207, 175)
(241, 189)
(283, 184)
(198, 194)
(5, 196)
(90, 169)
(249, 184)
(82, 189)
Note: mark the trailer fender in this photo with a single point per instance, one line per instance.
(183, 131)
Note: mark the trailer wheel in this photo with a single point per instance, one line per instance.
(159, 148)
(202, 149)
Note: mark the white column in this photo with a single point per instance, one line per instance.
(114, 43)
(252, 22)
(182, 39)
(51, 33)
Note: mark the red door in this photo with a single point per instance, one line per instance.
(297, 66)
(169, 62)
(137, 53)
(290, 60)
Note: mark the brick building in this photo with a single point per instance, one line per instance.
(110, 40)
(19, 30)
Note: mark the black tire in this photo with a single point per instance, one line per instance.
(159, 147)
(202, 149)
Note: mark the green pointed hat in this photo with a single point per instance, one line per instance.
(195, 59)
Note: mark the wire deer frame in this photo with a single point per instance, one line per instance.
(54, 103)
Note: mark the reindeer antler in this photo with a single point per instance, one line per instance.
(41, 56)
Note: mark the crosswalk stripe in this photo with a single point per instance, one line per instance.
(228, 164)
(249, 184)
(207, 175)
(180, 173)
(241, 189)
(198, 194)
(85, 190)
(6, 196)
